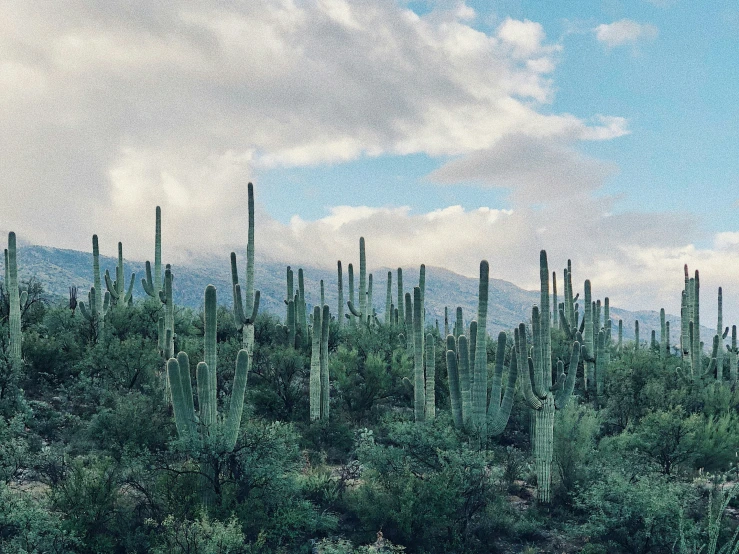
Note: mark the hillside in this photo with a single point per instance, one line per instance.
(59, 269)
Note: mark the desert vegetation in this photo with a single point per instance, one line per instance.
(131, 424)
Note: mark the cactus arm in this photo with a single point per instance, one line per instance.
(236, 406)
(179, 404)
(183, 362)
(23, 299)
(129, 294)
(148, 283)
(562, 397)
(110, 286)
(204, 399)
(497, 423)
(353, 310)
(525, 368)
(315, 367)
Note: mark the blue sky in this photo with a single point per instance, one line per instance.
(444, 132)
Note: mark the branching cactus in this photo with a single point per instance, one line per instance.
(467, 369)
(207, 429)
(16, 300)
(541, 395)
(153, 284)
(98, 303)
(246, 310)
(117, 289)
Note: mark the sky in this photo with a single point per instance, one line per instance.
(444, 132)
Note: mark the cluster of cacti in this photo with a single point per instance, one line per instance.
(207, 428)
(16, 299)
(365, 313)
(319, 378)
(468, 375)
(97, 302)
(690, 342)
(117, 288)
(541, 395)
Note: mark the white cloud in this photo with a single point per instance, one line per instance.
(107, 112)
(623, 32)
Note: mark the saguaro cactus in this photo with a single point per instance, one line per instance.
(207, 430)
(16, 299)
(117, 288)
(467, 369)
(363, 282)
(315, 366)
(98, 303)
(340, 285)
(541, 395)
(419, 393)
(152, 285)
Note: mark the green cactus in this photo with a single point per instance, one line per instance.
(16, 299)
(363, 282)
(589, 339)
(369, 314)
(455, 396)
(663, 352)
(352, 318)
(467, 368)
(419, 392)
(290, 292)
(152, 285)
(340, 286)
(541, 395)
(315, 367)
(696, 349)
(458, 323)
(480, 369)
(720, 333)
(117, 288)
(388, 299)
(207, 429)
(325, 319)
(245, 311)
(401, 298)
(165, 297)
(301, 308)
(98, 304)
(430, 377)
(733, 356)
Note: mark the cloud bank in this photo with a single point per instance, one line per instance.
(624, 32)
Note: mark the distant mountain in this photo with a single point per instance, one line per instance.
(59, 269)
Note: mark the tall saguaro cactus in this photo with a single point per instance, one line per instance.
(340, 286)
(98, 303)
(152, 285)
(541, 395)
(419, 392)
(16, 299)
(246, 310)
(363, 282)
